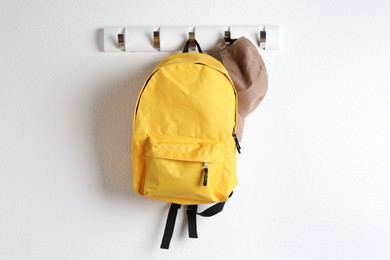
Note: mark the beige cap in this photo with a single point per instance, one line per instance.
(245, 66)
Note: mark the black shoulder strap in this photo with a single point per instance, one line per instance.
(213, 210)
(192, 211)
(170, 226)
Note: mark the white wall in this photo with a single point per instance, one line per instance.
(314, 173)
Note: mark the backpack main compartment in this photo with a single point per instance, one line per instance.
(183, 127)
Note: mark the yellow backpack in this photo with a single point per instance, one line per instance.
(183, 142)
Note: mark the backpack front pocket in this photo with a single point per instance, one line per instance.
(185, 170)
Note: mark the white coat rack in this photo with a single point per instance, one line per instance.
(172, 39)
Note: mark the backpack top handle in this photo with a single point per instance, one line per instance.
(193, 42)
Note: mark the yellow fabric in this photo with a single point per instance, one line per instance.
(185, 116)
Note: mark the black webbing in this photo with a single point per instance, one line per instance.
(170, 225)
(191, 215)
(186, 47)
(213, 210)
(192, 211)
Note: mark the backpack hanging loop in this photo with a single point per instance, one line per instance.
(192, 44)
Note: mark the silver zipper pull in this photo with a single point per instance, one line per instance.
(205, 174)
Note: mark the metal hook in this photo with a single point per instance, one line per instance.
(192, 44)
(263, 38)
(227, 38)
(121, 41)
(156, 40)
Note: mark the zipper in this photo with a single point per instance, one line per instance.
(141, 92)
(237, 143)
(205, 173)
